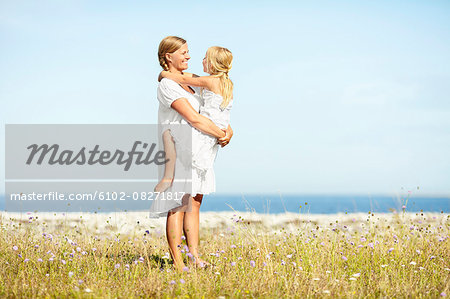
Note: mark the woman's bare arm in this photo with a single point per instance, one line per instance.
(198, 121)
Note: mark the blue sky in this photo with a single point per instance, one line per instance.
(330, 96)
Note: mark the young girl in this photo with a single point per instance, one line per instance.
(217, 93)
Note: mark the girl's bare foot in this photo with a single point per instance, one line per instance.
(163, 185)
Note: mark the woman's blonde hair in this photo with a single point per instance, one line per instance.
(168, 45)
(219, 61)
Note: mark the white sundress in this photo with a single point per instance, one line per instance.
(203, 179)
(205, 147)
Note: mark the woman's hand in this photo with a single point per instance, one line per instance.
(226, 139)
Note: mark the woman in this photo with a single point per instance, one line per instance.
(181, 103)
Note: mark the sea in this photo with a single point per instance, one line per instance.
(319, 204)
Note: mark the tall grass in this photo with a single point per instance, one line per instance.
(386, 255)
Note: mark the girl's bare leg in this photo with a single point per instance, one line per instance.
(191, 227)
(169, 167)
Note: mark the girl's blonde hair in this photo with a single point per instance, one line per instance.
(219, 61)
(168, 45)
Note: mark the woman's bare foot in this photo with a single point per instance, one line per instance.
(163, 185)
(199, 263)
(180, 266)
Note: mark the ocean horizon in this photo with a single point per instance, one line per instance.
(316, 204)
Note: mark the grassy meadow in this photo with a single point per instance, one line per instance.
(253, 255)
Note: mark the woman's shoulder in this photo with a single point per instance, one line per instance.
(170, 87)
(169, 91)
(167, 83)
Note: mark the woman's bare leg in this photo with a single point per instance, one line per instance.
(191, 227)
(174, 228)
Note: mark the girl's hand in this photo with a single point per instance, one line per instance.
(163, 74)
(172, 76)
